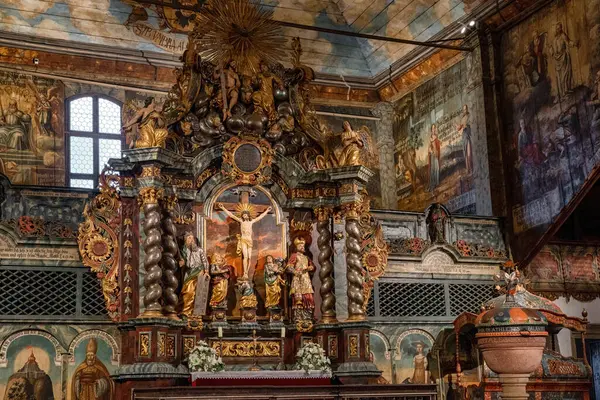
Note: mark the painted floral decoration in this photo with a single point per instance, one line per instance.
(205, 359)
(311, 357)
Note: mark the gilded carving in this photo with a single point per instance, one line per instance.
(98, 240)
(150, 171)
(204, 176)
(150, 195)
(332, 346)
(353, 345)
(171, 346)
(323, 213)
(144, 340)
(354, 147)
(189, 342)
(246, 348)
(161, 344)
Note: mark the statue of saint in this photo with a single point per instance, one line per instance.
(436, 221)
(300, 267)
(91, 379)
(355, 148)
(220, 273)
(145, 128)
(263, 98)
(194, 291)
(273, 282)
(244, 246)
(230, 81)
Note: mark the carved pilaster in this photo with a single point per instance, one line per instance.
(169, 262)
(149, 197)
(384, 140)
(354, 275)
(324, 243)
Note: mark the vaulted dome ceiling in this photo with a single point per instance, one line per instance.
(150, 27)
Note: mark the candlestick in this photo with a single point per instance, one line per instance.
(220, 332)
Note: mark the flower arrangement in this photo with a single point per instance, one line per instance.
(311, 357)
(204, 358)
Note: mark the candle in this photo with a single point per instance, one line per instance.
(283, 332)
(220, 331)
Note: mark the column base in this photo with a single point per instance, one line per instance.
(358, 373)
(514, 386)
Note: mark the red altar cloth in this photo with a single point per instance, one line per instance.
(260, 378)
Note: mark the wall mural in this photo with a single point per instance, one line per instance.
(552, 92)
(32, 130)
(412, 363)
(31, 371)
(434, 130)
(33, 364)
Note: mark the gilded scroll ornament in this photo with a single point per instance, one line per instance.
(144, 340)
(144, 126)
(246, 348)
(98, 240)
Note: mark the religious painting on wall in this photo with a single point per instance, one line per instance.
(552, 93)
(31, 371)
(433, 133)
(244, 228)
(32, 130)
(412, 361)
(90, 375)
(380, 355)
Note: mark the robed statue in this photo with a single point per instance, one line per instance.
(299, 266)
(91, 379)
(273, 281)
(194, 293)
(220, 273)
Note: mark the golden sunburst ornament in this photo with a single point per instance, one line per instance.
(246, 208)
(236, 30)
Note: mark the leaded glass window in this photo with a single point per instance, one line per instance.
(93, 137)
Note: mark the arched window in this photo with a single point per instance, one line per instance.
(93, 137)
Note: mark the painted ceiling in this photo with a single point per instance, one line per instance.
(157, 28)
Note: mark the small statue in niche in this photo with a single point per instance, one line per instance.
(247, 295)
(220, 273)
(145, 127)
(299, 266)
(263, 98)
(194, 292)
(227, 96)
(273, 281)
(355, 148)
(436, 221)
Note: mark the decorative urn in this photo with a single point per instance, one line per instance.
(512, 340)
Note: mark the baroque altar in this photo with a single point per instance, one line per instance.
(216, 224)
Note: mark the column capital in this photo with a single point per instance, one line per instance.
(383, 110)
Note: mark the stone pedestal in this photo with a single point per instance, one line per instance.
(514, 386)
(219, 317)
(356, 367)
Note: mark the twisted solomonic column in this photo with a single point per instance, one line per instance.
(149, 197)
(169, 262)
(354, 274)
(324, 243)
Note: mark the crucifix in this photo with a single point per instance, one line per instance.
(246, 218)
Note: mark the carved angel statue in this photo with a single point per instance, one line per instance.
(511, 280)
(355, 148)
(145, 126)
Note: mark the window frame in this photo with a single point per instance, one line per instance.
(95, 135)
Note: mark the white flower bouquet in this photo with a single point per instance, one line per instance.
(204, 358)
(311, 357)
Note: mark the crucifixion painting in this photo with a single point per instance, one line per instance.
(246, 219)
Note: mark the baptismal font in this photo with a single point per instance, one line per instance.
(229, 193)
